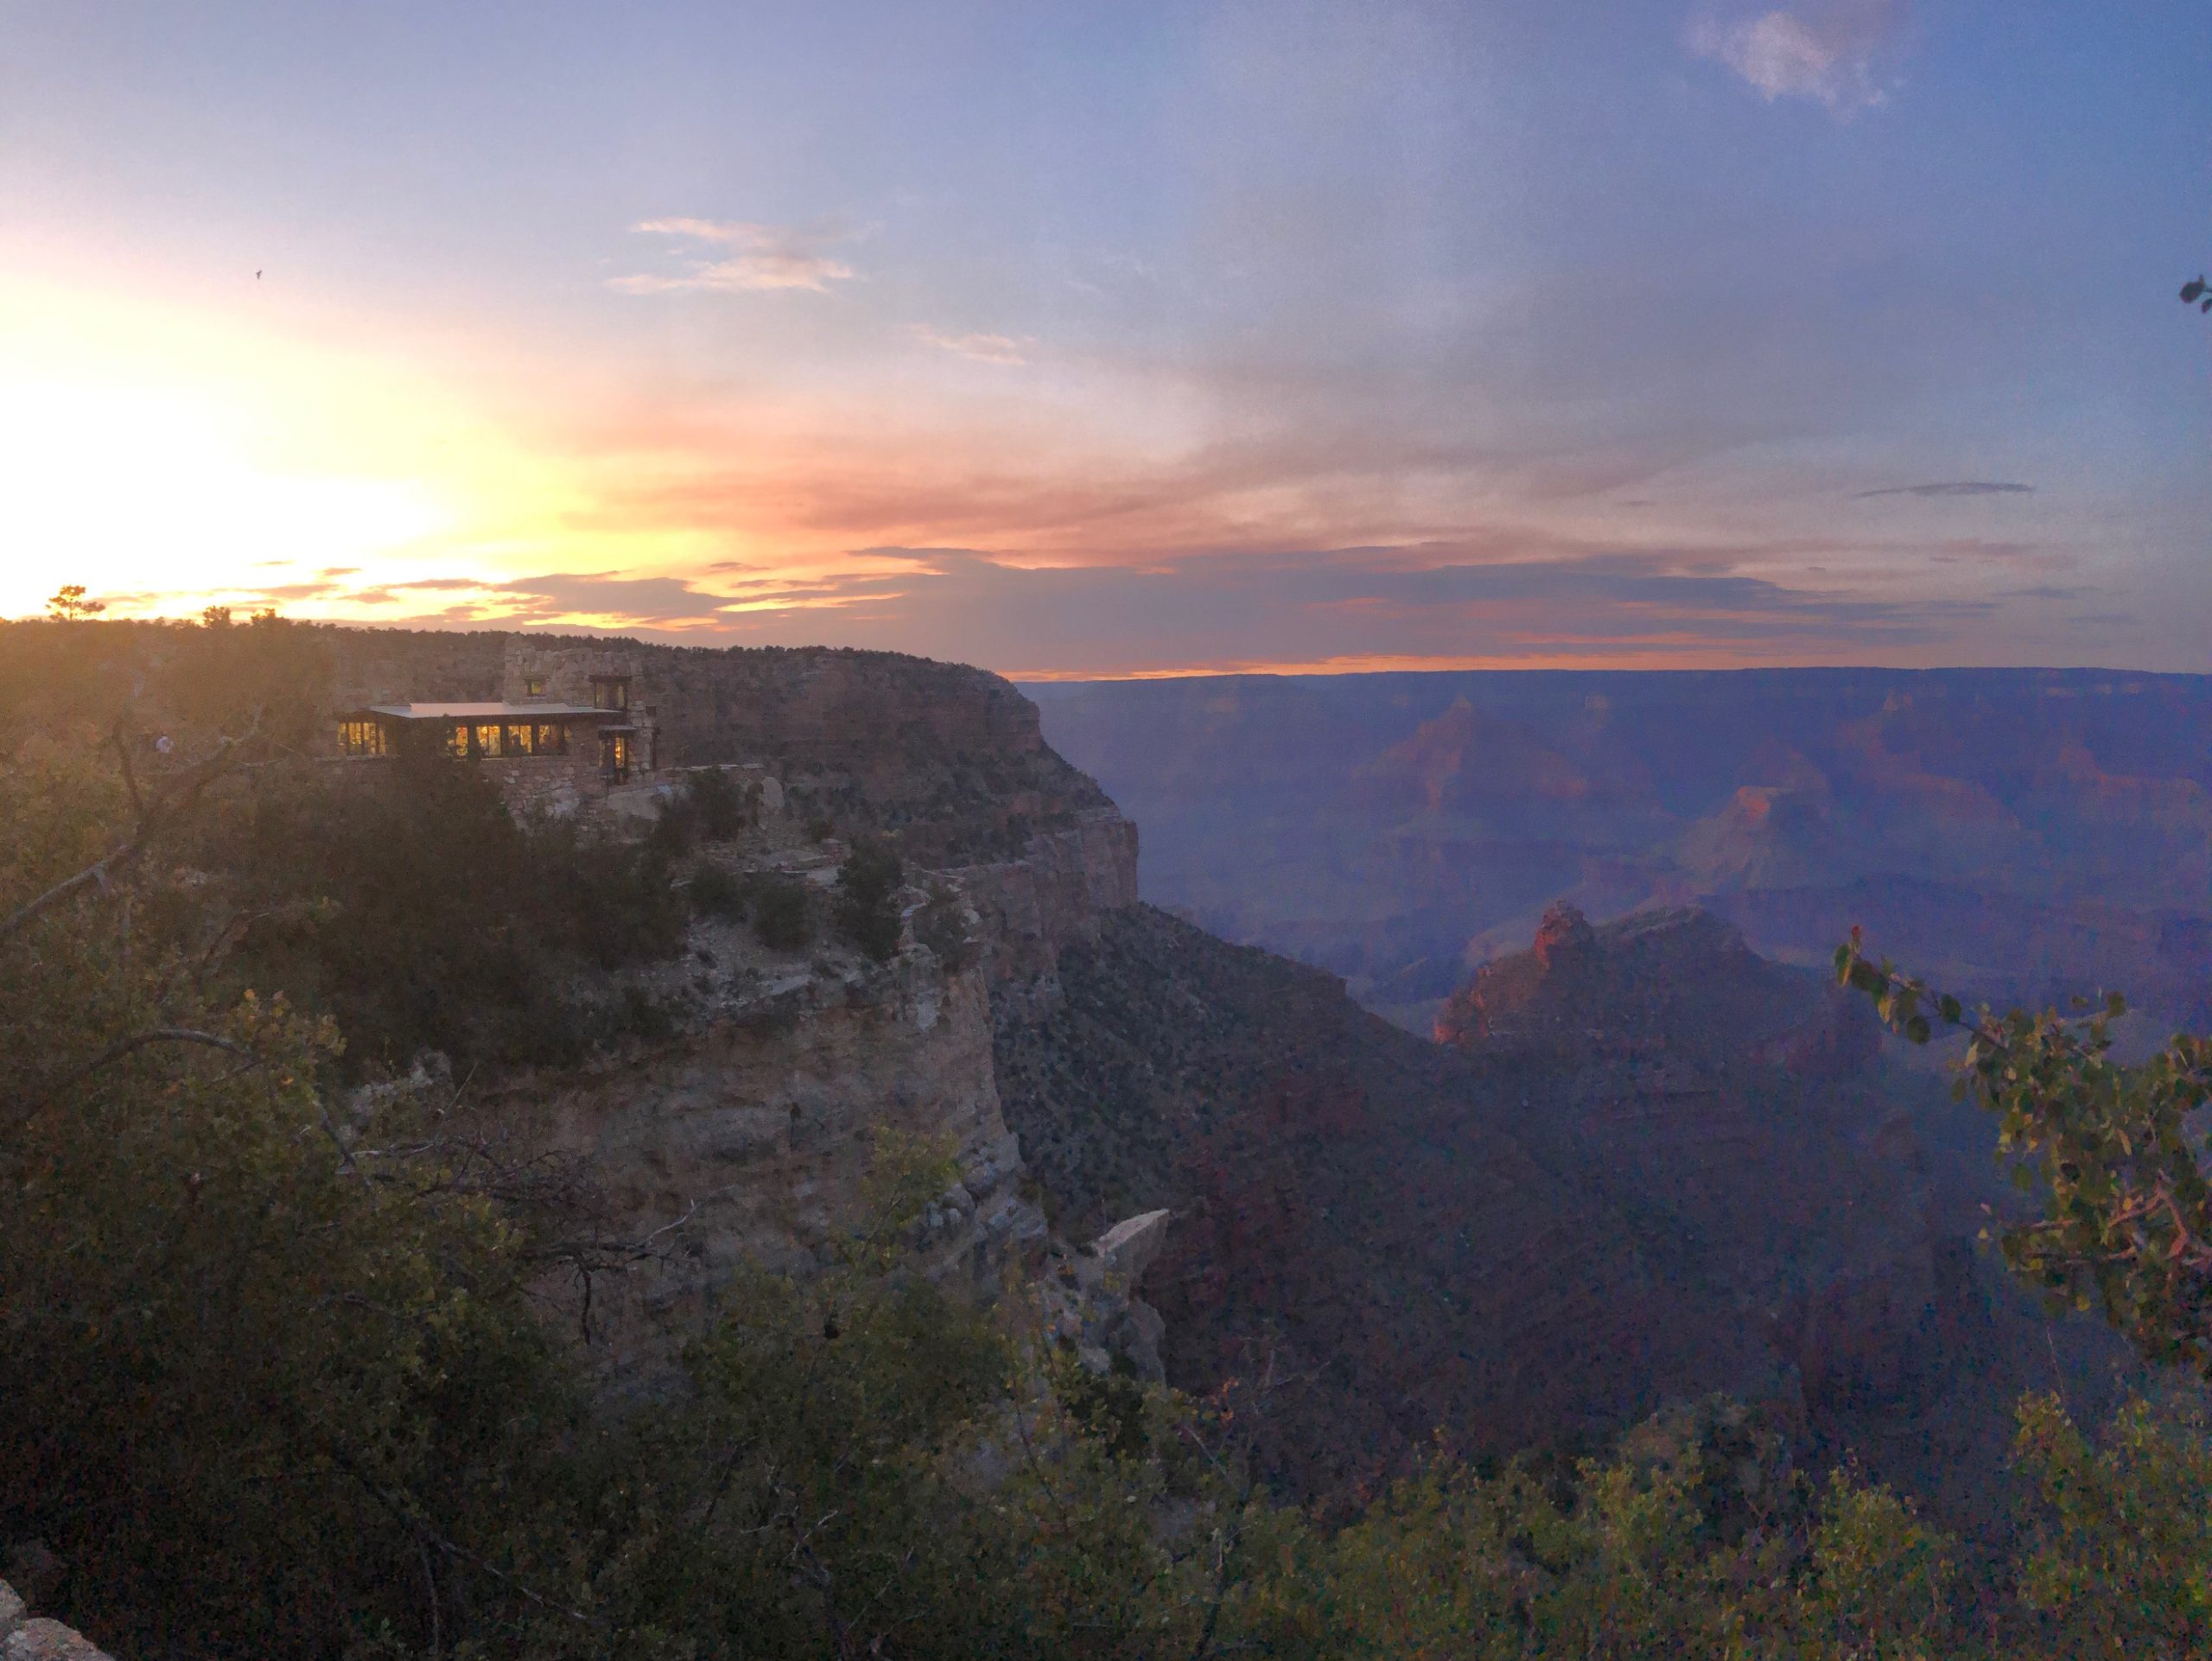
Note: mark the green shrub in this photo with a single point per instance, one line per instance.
(708, 807)
(409, 902)
(716, 892)
(779, 914)
(941, 926)
(253, 1350)
(868, 899)
(716, 806)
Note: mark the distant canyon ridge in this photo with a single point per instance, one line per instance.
(2019, 834)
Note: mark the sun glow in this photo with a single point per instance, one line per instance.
(168, 461)
(145, 493)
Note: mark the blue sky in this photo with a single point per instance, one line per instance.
(1128, 339)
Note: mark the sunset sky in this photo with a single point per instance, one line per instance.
(1124, 338)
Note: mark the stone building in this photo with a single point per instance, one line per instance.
(569, 726)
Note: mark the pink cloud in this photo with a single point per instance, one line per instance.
(762, 256)
(1826, 52)
(984, 348)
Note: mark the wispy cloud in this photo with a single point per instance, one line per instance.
(1828, 51)
(759, 258)
(984, 348)
(1441, 604)
(1949, 488)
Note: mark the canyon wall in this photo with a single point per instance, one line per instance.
(1645, 1165)
(745, 1135)
(947, 759)
(2024, 835)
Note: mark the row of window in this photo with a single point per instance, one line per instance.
(478, 739)
(508, 738)
(362, 738)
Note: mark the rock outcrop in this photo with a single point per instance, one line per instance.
(23, 1638)
(2022, 835)
(745, 1136)
(1648, 1166)
(748, 1134)
(1358, 1218)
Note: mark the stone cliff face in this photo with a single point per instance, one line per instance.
(947, 759)
(1646, 1165)
(745, 1135)
(1055, 896)
(1357, 1217)
(748, 1136)
(2026, 834)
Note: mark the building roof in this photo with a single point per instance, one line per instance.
(487, 711)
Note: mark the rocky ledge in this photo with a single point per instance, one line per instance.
(24, 1637)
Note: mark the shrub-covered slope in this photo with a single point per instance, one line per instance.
(1651, 1165)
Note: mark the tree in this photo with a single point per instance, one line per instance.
(2107, 1147)
(868, 899)
(2197, 292)
(260, 1352)
(70, 604)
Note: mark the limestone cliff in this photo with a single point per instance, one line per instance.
(946, 758)
(745, 1134)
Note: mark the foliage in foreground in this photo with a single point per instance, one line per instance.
(2109, 1149)
(273, 1381)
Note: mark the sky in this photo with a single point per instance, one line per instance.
(1124, 338)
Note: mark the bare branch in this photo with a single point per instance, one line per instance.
(182, 790)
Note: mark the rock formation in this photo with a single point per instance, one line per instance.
(2026, 834)
(23, 1638)
(746, 1134)
(1647, 1165)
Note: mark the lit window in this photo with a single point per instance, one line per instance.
(533, 686)
(488, 740)
(551, 739)
(519, 739)
(361, 738)
(457, 741)
(611, 691)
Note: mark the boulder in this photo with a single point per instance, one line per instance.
(49, 1641)
(1128, 1248)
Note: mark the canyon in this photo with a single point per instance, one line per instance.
(2018, 835)
(1637, 1163)
(1631, 1159)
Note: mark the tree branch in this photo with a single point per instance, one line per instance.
(117, 1051)
(183, 790)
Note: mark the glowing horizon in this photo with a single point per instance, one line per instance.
(1225, 340)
